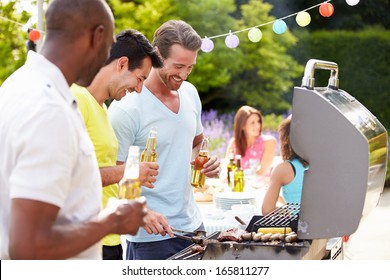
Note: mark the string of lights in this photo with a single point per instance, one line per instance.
(303, 19)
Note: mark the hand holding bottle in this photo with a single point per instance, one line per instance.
(124, 216)
(198, 178)
(204, 166)
(147, 173)
(212, 167)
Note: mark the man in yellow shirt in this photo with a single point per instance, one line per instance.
(130, 62)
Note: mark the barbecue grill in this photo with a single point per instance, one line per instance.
(283, 217)
(347, 148)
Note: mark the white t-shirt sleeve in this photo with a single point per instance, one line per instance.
(191, 89)
(44, 176)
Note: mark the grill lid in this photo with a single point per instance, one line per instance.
(346, 147)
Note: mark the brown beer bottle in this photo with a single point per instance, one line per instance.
(198, 178)
(129, 185)
(149, 154)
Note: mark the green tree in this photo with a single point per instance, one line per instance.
(268, 72)
(143, 15)
(204, 15)
(258, 74)
(12, 38)
(214, 69)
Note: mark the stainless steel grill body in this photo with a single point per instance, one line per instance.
(346, 147)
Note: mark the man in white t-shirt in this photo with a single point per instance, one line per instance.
(171, 104)
(50, 186)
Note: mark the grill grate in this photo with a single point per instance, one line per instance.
(280, 217)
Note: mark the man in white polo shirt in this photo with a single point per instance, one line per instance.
(50, 186)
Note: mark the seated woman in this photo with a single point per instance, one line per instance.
(287, 176)
(256, 150)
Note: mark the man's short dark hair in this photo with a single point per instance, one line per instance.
(135, 46)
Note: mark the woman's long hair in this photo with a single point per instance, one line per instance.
(286, 150)
(240, 120)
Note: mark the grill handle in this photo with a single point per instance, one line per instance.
(312, 65)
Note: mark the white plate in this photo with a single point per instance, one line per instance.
(225, 206)
(234, 195)
(225, 200)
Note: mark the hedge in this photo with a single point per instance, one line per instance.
(363, 59)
